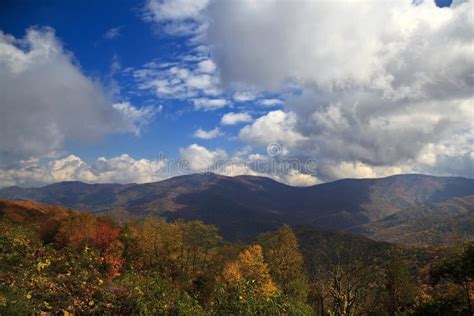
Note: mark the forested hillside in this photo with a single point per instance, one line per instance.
(57, 260)
(244, 206)
(435, 224)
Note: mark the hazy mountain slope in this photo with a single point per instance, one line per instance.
(439, 223)
(71, 194)
(246, 205)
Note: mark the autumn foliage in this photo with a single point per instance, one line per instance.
(59, 261)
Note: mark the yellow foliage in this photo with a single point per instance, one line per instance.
(232, 273)
(43, 265)
(250, 268)
(47, 305)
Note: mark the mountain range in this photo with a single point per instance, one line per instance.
(400, 208)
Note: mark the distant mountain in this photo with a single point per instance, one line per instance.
(440, 223)
(245, 205)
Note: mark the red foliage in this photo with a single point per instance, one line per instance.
(105, 234)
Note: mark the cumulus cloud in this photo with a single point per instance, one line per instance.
(385, 85)
(297, 178)
(358, 170)
(197, 158)
(274, 127)
(203, 134)
(270, 102)
(233, 118)
(46, 100)
(206, 66)
(207, 104)
(120, 169)
(364, 45)
(244, 96)
(125, 169)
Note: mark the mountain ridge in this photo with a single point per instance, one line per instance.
(234, 177)
(245, 205)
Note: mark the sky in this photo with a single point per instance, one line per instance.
(301, 91)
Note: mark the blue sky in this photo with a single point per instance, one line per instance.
(203, 80)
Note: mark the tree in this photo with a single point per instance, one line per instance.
(198, 240)
(349, 282)
(286, 264)
(158, 245)
(250, 268)
(458, 269)
(347, 286)
(197, 260)
(246, 286)
(400, 289)
(78, 230)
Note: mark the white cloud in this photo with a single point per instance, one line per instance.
(375, 35)
(138, 117)
(274, 127)
(60, 103)
(213, 133)
(237, 169)
(188, 77)
(177, 17)
(120, 169)
(206, 66)
(232, 118)
(125, 169)
(162, 10)
(69, 168)
(296, 178)
(357, 169)
(199, 158)
(244, 96)
(113, 33)
(207, 104)
(270, 102)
